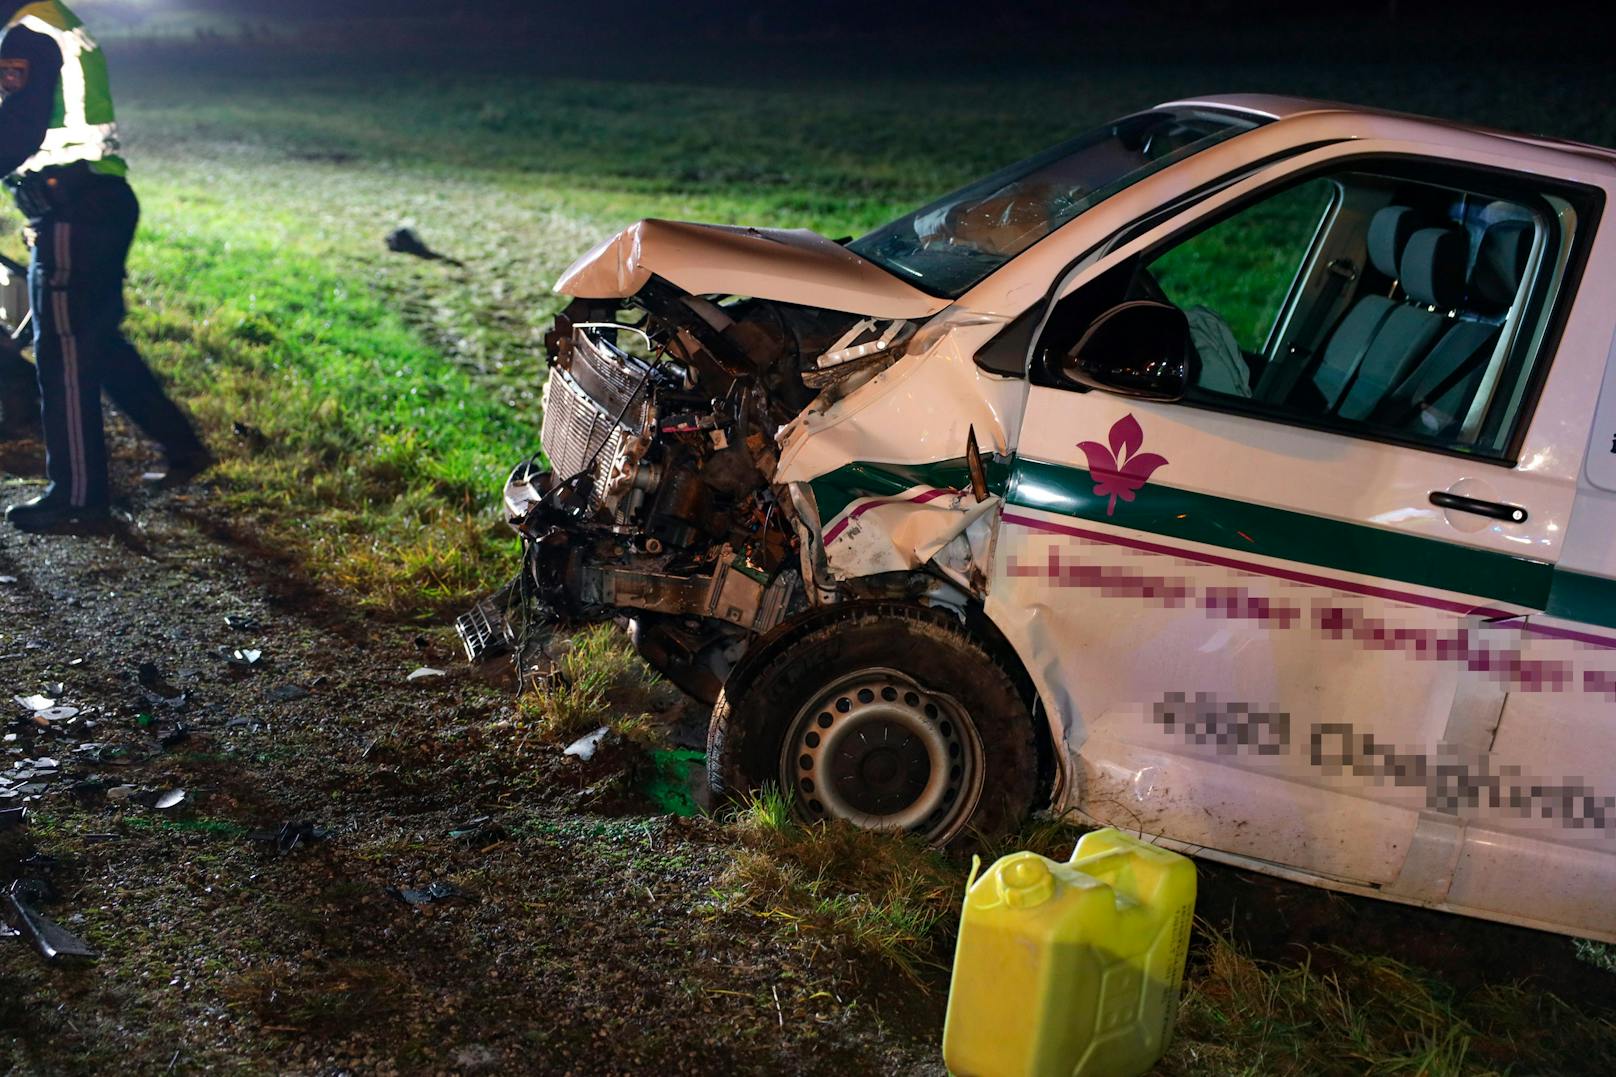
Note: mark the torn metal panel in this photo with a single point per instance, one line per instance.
(785, 265)
(905, 532)
(921, 408)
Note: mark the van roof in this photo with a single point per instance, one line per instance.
(1357, 120)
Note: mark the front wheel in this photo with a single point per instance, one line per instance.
(889, 717)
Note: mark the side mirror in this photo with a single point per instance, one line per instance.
(1140, 348)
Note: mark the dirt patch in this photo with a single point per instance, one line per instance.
(576, 927)
(371, 875)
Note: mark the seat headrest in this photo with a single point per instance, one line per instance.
(1434, 266)
(1500, 262)
(1389, 230)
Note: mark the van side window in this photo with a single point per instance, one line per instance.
(1372, 304)
(1237, 273)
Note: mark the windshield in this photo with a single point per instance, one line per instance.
(947, 247)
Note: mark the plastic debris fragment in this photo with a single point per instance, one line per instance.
(290, 835)
(438, 891)
(481, 826)
(50, 939)
(585, 746)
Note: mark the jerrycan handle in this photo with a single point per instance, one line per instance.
(1123, 889)
(1095, 858)
(970, 882)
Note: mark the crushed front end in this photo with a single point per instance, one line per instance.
(653, 501)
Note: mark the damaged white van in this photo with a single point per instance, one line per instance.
(1242, 474)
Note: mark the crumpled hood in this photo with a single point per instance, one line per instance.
(785, 265)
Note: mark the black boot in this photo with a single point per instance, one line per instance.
(51, 512)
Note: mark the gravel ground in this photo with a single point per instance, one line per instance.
(584, 934)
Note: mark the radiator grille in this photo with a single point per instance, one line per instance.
(580, 431)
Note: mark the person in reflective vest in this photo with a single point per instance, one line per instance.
(59, 154)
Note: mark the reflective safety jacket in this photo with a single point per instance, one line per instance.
(82, 127)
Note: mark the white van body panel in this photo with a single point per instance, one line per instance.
(1439, 745)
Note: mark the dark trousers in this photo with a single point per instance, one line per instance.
(75, 284)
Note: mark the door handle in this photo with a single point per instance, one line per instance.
(1495, 510)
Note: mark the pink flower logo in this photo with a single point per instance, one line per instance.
(1122, 469)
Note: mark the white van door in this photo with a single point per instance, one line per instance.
(1277, 607)
(1541, 839)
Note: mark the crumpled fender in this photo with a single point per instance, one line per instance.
(885, 466)
(883, 485)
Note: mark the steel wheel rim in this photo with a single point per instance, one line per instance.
(884, 753)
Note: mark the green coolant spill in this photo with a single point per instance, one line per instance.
(676, 776)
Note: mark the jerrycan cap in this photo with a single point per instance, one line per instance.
(1025, 882)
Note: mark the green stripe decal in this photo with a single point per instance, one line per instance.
(1209, 520)
(1578, 597)
(834, 492)
(1288, 536)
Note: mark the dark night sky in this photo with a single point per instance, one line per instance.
(760, 39)
(993, 23)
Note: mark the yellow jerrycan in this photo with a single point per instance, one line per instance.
(1071, 969)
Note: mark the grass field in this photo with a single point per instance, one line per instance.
(367, 404)
(270, 176)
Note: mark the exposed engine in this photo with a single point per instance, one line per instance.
(660, 414)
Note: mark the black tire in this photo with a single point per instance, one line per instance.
(964, 745)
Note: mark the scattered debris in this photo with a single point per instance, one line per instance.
(156, 687)
(254, 437)
(438, 891)
(107, 754)
(7, 581)
(290, 835)
(28, 778)
(241, 622)
(175, 736)
(51, 940)
(475, 1057)
(250, 725)
(287, 693)
(13, 817)
(407, 241)
(426, 673)
(35, 702)
(584, 747)
(241, 656)
(171, 799)
(482, 826)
